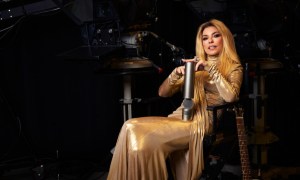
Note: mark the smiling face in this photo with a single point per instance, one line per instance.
(212, 41)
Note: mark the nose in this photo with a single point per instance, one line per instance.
(210, 40)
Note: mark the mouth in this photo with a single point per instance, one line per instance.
(212, 47)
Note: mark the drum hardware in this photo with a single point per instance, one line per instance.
(261, 135)
(133, 42)
(134, 65)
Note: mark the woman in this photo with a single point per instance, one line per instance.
(145, 143)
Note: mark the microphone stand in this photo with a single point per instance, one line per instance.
(188, 94)
(178, 52)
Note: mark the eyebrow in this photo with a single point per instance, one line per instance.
(212, 33)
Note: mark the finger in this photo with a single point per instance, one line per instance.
(197, 66)
(182, 70)
(188, 60)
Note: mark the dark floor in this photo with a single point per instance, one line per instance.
(49, 169)
(28, 169)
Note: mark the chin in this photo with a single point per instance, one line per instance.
(213, 53)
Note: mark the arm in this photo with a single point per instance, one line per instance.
(172, 83)
(229, 88)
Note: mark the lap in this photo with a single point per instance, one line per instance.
(152, 132)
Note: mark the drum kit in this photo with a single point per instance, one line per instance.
(134, 59)
(136, 62)
(133, 63)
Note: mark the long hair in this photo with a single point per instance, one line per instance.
(228, 54)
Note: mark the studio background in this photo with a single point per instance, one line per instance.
(56, 107)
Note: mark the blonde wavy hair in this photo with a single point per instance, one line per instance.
(228, 54)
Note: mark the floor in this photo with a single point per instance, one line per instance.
(24, 169)
(52, 170)
(280, 165)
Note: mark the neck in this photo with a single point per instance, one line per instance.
(212, 58)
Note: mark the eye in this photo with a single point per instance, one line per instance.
(204, 38)
(217, 35)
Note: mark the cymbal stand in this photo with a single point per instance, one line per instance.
(127, 98)
(262, 136)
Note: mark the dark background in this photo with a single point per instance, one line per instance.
(57, 104)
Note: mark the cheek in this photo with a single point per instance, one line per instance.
(205, 44)
(220, 41)
(220, 44)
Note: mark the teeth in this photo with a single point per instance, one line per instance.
(212, 47)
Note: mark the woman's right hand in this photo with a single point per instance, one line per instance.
(180, 70)
(199, 65)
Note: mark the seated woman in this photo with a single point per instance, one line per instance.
(145, 143)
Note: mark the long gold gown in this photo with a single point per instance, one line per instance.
(145, 143)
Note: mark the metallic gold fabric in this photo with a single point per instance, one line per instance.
(145, 143)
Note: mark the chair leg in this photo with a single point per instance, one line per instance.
(213, 167)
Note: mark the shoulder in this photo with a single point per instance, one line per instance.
(235, 68)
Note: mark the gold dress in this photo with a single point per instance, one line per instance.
(145, 143)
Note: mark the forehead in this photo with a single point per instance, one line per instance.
(209, 30)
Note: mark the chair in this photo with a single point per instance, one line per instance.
(228, 140)
(227, 143)
(227, 136)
